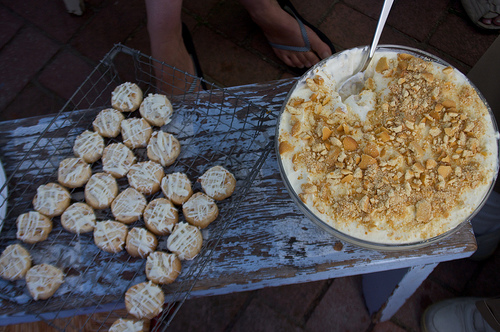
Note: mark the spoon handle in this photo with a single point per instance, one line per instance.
(386, 8)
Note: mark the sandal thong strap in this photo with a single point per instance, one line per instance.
(303, 31)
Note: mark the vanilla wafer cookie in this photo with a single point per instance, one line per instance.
(160, 216)
(163, 148)
(108, 122)
(136, 132)
(129, 325)
(33, 227)
(200, 210)
(126, 97)
(218, 183)
(73, 172)
(185, 241)
(140, 242)
(78, 218)
(128, 205)
(51, 199)
(110, 235)
(43, 280)
(117, 159)
(144, 300)
(146, 177)
(89, 146)
(176, 187)
(156, 109)
(101, 190)
(162, 268)
(15, 261)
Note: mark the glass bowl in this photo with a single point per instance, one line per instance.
(344, 72)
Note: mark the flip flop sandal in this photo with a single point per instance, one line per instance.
(287, 6)
(482, 13)
(188, 42)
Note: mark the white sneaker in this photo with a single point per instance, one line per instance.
(454, 315)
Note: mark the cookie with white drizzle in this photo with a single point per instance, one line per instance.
(33, 227)
(160, 216)
(200, 210)
(136, 132)
(218, 183)
(156, 109)
(78, 218)
(73, 172)
(117, 159)
(101, 190)
(15, 261)
(163, 268)
(108, 122)
(144, 300)
(163, 148)
(176, 187)
(129, 325)
(89, 146)
(128, 206)
(51, 199)
(126, 97)
(110, 235)
(146, 177)
(140, 242)
(185, 241)
(43, 280)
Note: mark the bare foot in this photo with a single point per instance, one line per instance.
(280, 27)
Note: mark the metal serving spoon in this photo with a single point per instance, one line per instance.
(354, 84)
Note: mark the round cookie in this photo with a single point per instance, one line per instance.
(140, 242)
(163, 148)
(162, 268)
(78, 218)
(73, 172)
(156, 109)
(89, 146)
(146, 177)
(126, 97)
(136, 132)
(33, 227)
(128, 206)
(101, 190)
(117, 159)
(144, 300)
(43, 280)
(108, 122)
(200, 210)
(129, 325)
(160, 216)
(218, 183)
(15, 261)
(176, 187)
(110, 235)
(51, 199)
(185, 241)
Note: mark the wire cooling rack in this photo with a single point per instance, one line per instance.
(213, 126)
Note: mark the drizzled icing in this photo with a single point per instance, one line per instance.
(78, 218)
(110, 235)
(185, 241)
(128, 205)
(51, 199)
(142, 241)
(73, 172)
(127, 325)
(156, 109)
(108, 122)
(145, 300)
(42, 280)
(161, 267)
(89, 146)
(14, 262)
(145, 176)
(117, 159)
(163, 147)
(126, 97)
(136, 132)
(176, 184)
(217, 181)
(162, 215)
(199, 207)
(101, 189)
(33, 227)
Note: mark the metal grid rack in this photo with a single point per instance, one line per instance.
(213, 127)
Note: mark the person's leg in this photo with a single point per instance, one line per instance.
(280, 27)
(167, 45)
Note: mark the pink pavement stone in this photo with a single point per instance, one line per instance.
(9, 25)
(231, 19)
(486, 284)
(455, 274)
(201, 8)
(342, 308)
(387, 326)
(20, 60)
